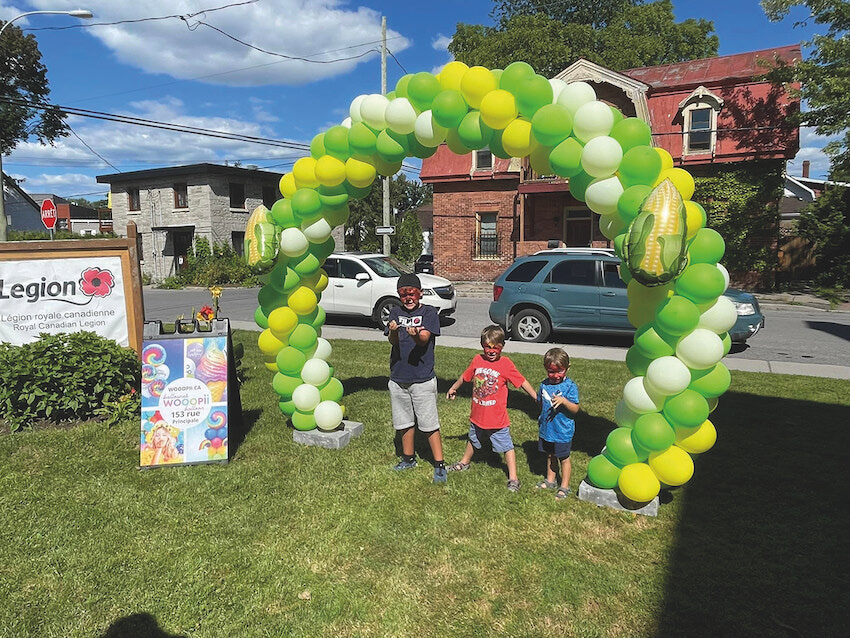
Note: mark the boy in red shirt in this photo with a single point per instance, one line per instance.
(490, 373)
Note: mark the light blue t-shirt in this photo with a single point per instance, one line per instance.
(556, 426)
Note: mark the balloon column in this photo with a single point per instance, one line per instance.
(675, 280)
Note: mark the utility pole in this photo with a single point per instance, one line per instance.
(386, 180)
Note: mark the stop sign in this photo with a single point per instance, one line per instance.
(48, 214)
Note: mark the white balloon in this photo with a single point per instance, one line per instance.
(624, 416)
(401, 116)
(427, 131)
(639, 398)
(601, 156)
(354, 109)
(373, 110)
(557, 87)
(725, 274)
(719, 317)
(592, 120)
(346, 122)
(575, 95)
(293, 242)
(668, 375)
(700, 349)
(328, 415)
(323, 349)
(602, 195)
(316, 231)
(315, 372)
(162, 371)
(306, 397)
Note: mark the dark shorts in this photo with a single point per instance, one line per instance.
(557, 449)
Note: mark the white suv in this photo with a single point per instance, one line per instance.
(365, 284)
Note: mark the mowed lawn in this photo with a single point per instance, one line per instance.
(287, 540)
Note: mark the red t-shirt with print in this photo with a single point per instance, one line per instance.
(490, 390)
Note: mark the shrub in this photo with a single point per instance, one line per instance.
(210, 265)
(63, 377)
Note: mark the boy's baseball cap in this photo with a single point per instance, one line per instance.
(408, 281)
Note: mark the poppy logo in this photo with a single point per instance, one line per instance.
(95, 282)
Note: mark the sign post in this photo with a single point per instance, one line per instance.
(48, 215)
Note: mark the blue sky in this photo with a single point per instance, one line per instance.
(180, 70)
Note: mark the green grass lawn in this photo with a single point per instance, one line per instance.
(294, 541)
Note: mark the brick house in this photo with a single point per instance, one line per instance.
(706, 113)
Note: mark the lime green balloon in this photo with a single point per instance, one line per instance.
(640, 165)
(701, 283)
(284, 278)
(552, 124)
(473, 132)
(602, 473)
(565, 159)
(319, 320)
(303, 421)
(391, 146)
(306, 203)
(361, 139)
(631, 132)
(317, 146)
(282, 213)
(513, 76)
(677, 316)
(628, 206)
(621, 449)
(449, 108)
(422, 88)
(637, 362)
(401, 85)
(688, 409)
(332, 390)
(534, 93)
(333, 196)
(711, 382)
(653, 432)
(727, 343)
(578, 183)
(336, 142)
(261, 318)
(305, 264)
(707, 246)
(417, 149)
(287, 407)
(284, 385)
(303, 337)
(618, 115)
(654, 344)
(290, 360)
(619, 242)
(455, 144)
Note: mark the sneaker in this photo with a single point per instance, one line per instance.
(404, 465)
(513, 486)
(440, 475)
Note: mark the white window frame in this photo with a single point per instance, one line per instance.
(700, 99)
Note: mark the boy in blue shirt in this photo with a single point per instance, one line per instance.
(558, 397)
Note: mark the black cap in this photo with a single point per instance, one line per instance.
(408, 281)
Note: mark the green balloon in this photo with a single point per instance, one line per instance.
(303, 337)
(332, 390)
(290, 360)
(336, 142)
(677, 316)
(422, 88)
(285, 385)
(619, 242)
(602, 472)
(392, 146)
(306, 264)
(552, 124)
(707, 247)
(385, 168)
(701, 283)
(474, 133)
(539, 159)
(578, 183)
(449, 108)
(317, 146)
(640, 165)
(497, 73)
(356, 192)
(287, 407)
(617, 113)
(319, 320)
(636, 361)
(303, 420)
(688, 409)
(565, 159)
(513, 75)
(628, 206)
(261, 318)
(496, 147)
(306, 203)
(269, 297)
(621, 449)
(283, 278)
(653, 432)
(654, 344)
(401, 85)
(455, 144)
(338, 216)
(361, 140)
(282, 213)
(333, 196)
(392, 95)
(727, 343)
(631, 132)
(535, 91)
(711, 382)
(417, 149)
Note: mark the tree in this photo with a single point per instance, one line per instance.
(617, 34)
(826, 223)
(409, 242)
(824, 76)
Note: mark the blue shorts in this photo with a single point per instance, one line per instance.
(555, 448)
(500, 439)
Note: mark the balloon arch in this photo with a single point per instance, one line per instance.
(675, 281)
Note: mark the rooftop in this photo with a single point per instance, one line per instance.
(189, 169)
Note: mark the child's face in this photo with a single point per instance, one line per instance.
(492, 352)
(410, 297)
(555, 372)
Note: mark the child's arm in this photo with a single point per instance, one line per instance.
(452, 393)
(529, 389)
(563, 402)
(420, 335)
(392, 327)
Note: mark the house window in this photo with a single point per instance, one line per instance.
(699, 112)
(238, 240)
(483, 160)
(237, 195)
(181, 195)
(487, 238)
(134, 201)
(699, 130)
(269, 196)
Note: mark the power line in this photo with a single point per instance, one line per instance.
(83, 142)
(397, 62)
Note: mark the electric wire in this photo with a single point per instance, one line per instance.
(83, 142)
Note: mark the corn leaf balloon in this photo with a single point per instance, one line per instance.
(262, 239)
(655, 248)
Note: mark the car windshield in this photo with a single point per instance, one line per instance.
(387, 266)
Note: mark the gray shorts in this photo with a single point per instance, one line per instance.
(414, 404)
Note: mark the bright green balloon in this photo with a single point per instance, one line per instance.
(653, 432)
(688, 409)
(631, 132)
(534, 93)
(261, 318)
(621, 448)
(392, 146)
(711, 382)
(513, 76)
(417, 149)
(727, 343)
(290, 360)
(707, 246)
(303, 337)
(628, 206)
(332, 390)
(317, 146)
(677, 316)
(602, 472)
(552, 124)
(287, 407)
(473, 132)
(496, 147)
(579, 183)
(640, 165)
(336, 142)
(637, 362)
(303, 421)
(701, 283)
(285, 385)
(455, 144)
(361, 139)
(565, 159)
(422, 88)
(305, 264)
(306, 203)
(282, 213)
(619, 242)
(283, 278)
(618, 117)
(654, 344)
(449, 108)
(401, 85)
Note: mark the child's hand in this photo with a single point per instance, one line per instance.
(451, 394)
(414, 331)
(393, 325)
(559, 401)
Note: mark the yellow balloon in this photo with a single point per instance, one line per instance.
(638, 482)
(452, 74)
(498, 109)
(697, 440)
(268, 343)
(476, 83)
(330, 171)
(359, 174)
(271, 365)
(288, 185)
(673, 466)
(318, 281)
(666, 159)
(517, 138)
(303, 300)
(681, 179)
(647, 295)
(304, 171)
(282, 321)
(694, 217)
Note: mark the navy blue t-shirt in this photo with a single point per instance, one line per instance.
(410, 361)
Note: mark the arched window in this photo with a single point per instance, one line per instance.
(699, 121)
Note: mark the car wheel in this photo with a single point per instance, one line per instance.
(382, 310)
(530, 325)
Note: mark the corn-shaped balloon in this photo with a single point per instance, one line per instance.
(655, 249)
(261, 240)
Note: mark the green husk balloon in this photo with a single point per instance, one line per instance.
(261, 241)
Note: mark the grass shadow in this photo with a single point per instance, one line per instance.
(142, 625)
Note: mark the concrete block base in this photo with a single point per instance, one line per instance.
(615, 500)
(334, 440)
(353, 427)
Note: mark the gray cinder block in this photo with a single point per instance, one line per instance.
(615, 500)
(335, 440)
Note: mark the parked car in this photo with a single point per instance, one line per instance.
(425, 264)
(365, 284)
(581, 290)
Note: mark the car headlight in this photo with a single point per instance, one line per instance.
(427, 291)
(745, 308)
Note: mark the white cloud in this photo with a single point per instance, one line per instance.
(9, 11)
(441, 42)
(811, 149)
(185, 49)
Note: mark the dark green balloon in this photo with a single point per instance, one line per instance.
(306, 203)
(621, 449)
(417, 149)
(640, 165)
(269, 297)
(261, 318)
(333, 196)
(688, 409)
(496, 147)
(422, 88)
(578, 184)
(357, 192)
(636, 361)
(701, 283)
(711, 382)
(653, 432)
(455, 144)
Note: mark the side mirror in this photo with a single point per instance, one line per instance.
(362, 276)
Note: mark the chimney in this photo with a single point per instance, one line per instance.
(806, 165)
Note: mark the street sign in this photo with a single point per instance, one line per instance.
(385, 230)
(48, 214)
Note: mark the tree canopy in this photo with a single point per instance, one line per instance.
(617, 34)
(24, 77)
